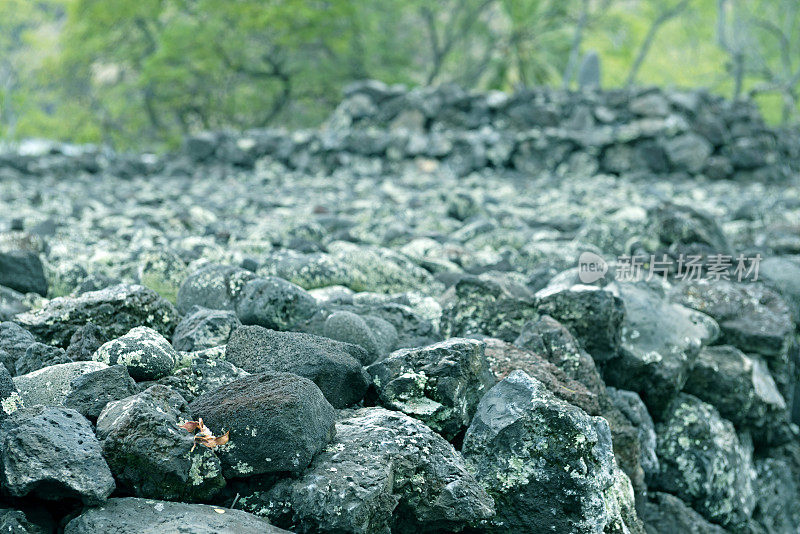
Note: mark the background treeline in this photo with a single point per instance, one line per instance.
(141, 73)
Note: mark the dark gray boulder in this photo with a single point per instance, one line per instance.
(143, 351)
(663, 513)
(150, 454)
(383, 472)
(131, 515)
(52, 453)
(202, 328)
(547, 464)
(51, 385)
(277, 422)
(335, 367)
(214, 286)
(84, 342)
(203, 374)
(348, 327)
(22, 271)
(439, 384)
(703, 462)
(90, 392)
(39, 355)
(114, 310)
(10, 399)
(274, 303)
(632, 407)
(14, 342)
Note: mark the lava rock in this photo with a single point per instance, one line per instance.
(202, 328)
(277, 422)
(666, 514)
(51, 385)
(52, 453)
(782, 274)
(535, 454)
(312, 270)
(349, 327)
(335, 367)
(274, 303)
(660, 341)
(22, 271)
(114, 310)
(148, 452)
(439, 384)
(777, 506)
(85, 342)
(145, 353)
(204, 374)
(688, 152)
(216, 287)
(39, 355)
(384, 472)
(632, 407)
(703, 462)
(131, 515)
(14, 342)
(90, 392)
(163, 271)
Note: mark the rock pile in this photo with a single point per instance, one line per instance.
(386, 324)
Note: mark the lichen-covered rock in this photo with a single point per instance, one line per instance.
(203, 374)
(548, 465)
(14, 342)
(163, 271)
(439, 384)
(703, 462)
(51, 385)
(114, 310)
(632, 407)
(663, 513)
(148, 452)
(145, 353)
(312, 270)
(131, 515)
(277, 422)
(335, 367)
(90, 392)
(383, 472)
(84, 342)
(274, 303)
(39, 355)
(52, 453)
(202, 328)
(10, 399)
(679, 229)
(214, 286)
(660, 341)
(482, 305)
(349, 327)
(739, 386)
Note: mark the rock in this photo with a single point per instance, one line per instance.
(114, 310)
(595, 316)
(666, 514)
(335, 367)
(202, 328)
(313, 270)
(145, 353)
(84, 342)
(17, 521)
(90, 392)
(39, 355)
(383, 472)
(131, 515)
(545, 462)
(660, 341)
(480, 305)
(10, 399)
(51, 385)
(277, 422)
(348, 327)
(680, 229)
(14, 342)
(688, 152)
(777, 506)
(11, 303)
(782, 274)
(148, 452)
(439, 384)
(216, 287)
(703, 462)
(163, 271)
(274, 303)
(632, 407)
(739, 386)
(52, 453)
(22, 271)
(204, 374)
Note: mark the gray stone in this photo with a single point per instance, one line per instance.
(216, 287)
(348, 327)
(22, 271)
(202, 375)
(39, 355)
(688, 152)
(90, 392)
(14, 342)
(663, 513)
(145, 353)
(10, 399)
(202, 328)
(632, 407)
(51, 385)
(274, 303)
(84, 342)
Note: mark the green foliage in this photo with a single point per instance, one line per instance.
(143, 73)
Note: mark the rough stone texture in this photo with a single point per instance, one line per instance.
(777, 507)
(84, 342)
(215, 287)
(90, 392)
(348, 327)
(312, 270)
(14, 342)
(203, 374)
(383, 472)
(51, 385)
(163, 271)
(10, 399)
(739, 386)
(274, 303)
(150, 455)
(52, 453)
(22, 271)
(131, 515)
(145, 353)
(202, 328)
(439, 384)
(782, 274)
(480, 305)
(277, 422)
(632, 407)
(114, 310)
(39, 355)
(660, 342)
(333, 366)
(703, 462)
(535, 453)
(666, 514)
